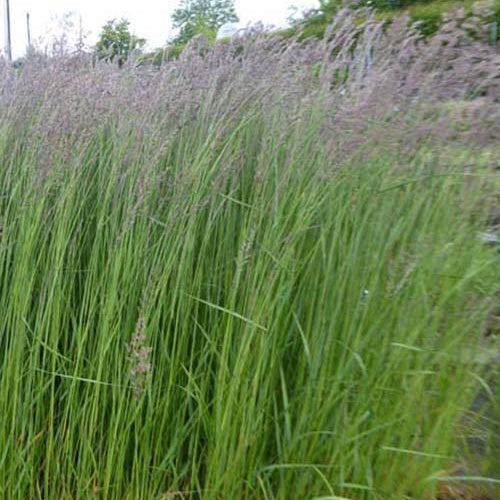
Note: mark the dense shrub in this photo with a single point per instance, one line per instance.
(393, 4)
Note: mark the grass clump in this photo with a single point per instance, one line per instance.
(226, 279)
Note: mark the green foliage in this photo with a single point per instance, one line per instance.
(495, 438)
(391, 4)
(316, 21)
(429, 16)
(158, 57)
(116, 42)
(205, 17)
(428, 13)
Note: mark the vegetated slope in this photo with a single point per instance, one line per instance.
(429, 15)
(252, 273)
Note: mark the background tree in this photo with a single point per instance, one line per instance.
(116, 42)
(193, 17)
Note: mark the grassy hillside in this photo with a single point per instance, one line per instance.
(428, 14)
(431, 15)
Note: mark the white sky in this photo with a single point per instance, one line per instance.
(149, 19)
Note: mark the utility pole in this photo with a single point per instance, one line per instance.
(28, 31)
(8, 46)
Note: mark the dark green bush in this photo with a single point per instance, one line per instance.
(392, 4)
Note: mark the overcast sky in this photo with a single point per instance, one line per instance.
(149, 19)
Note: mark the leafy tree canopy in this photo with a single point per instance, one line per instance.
(193, 17)
(116, 42)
